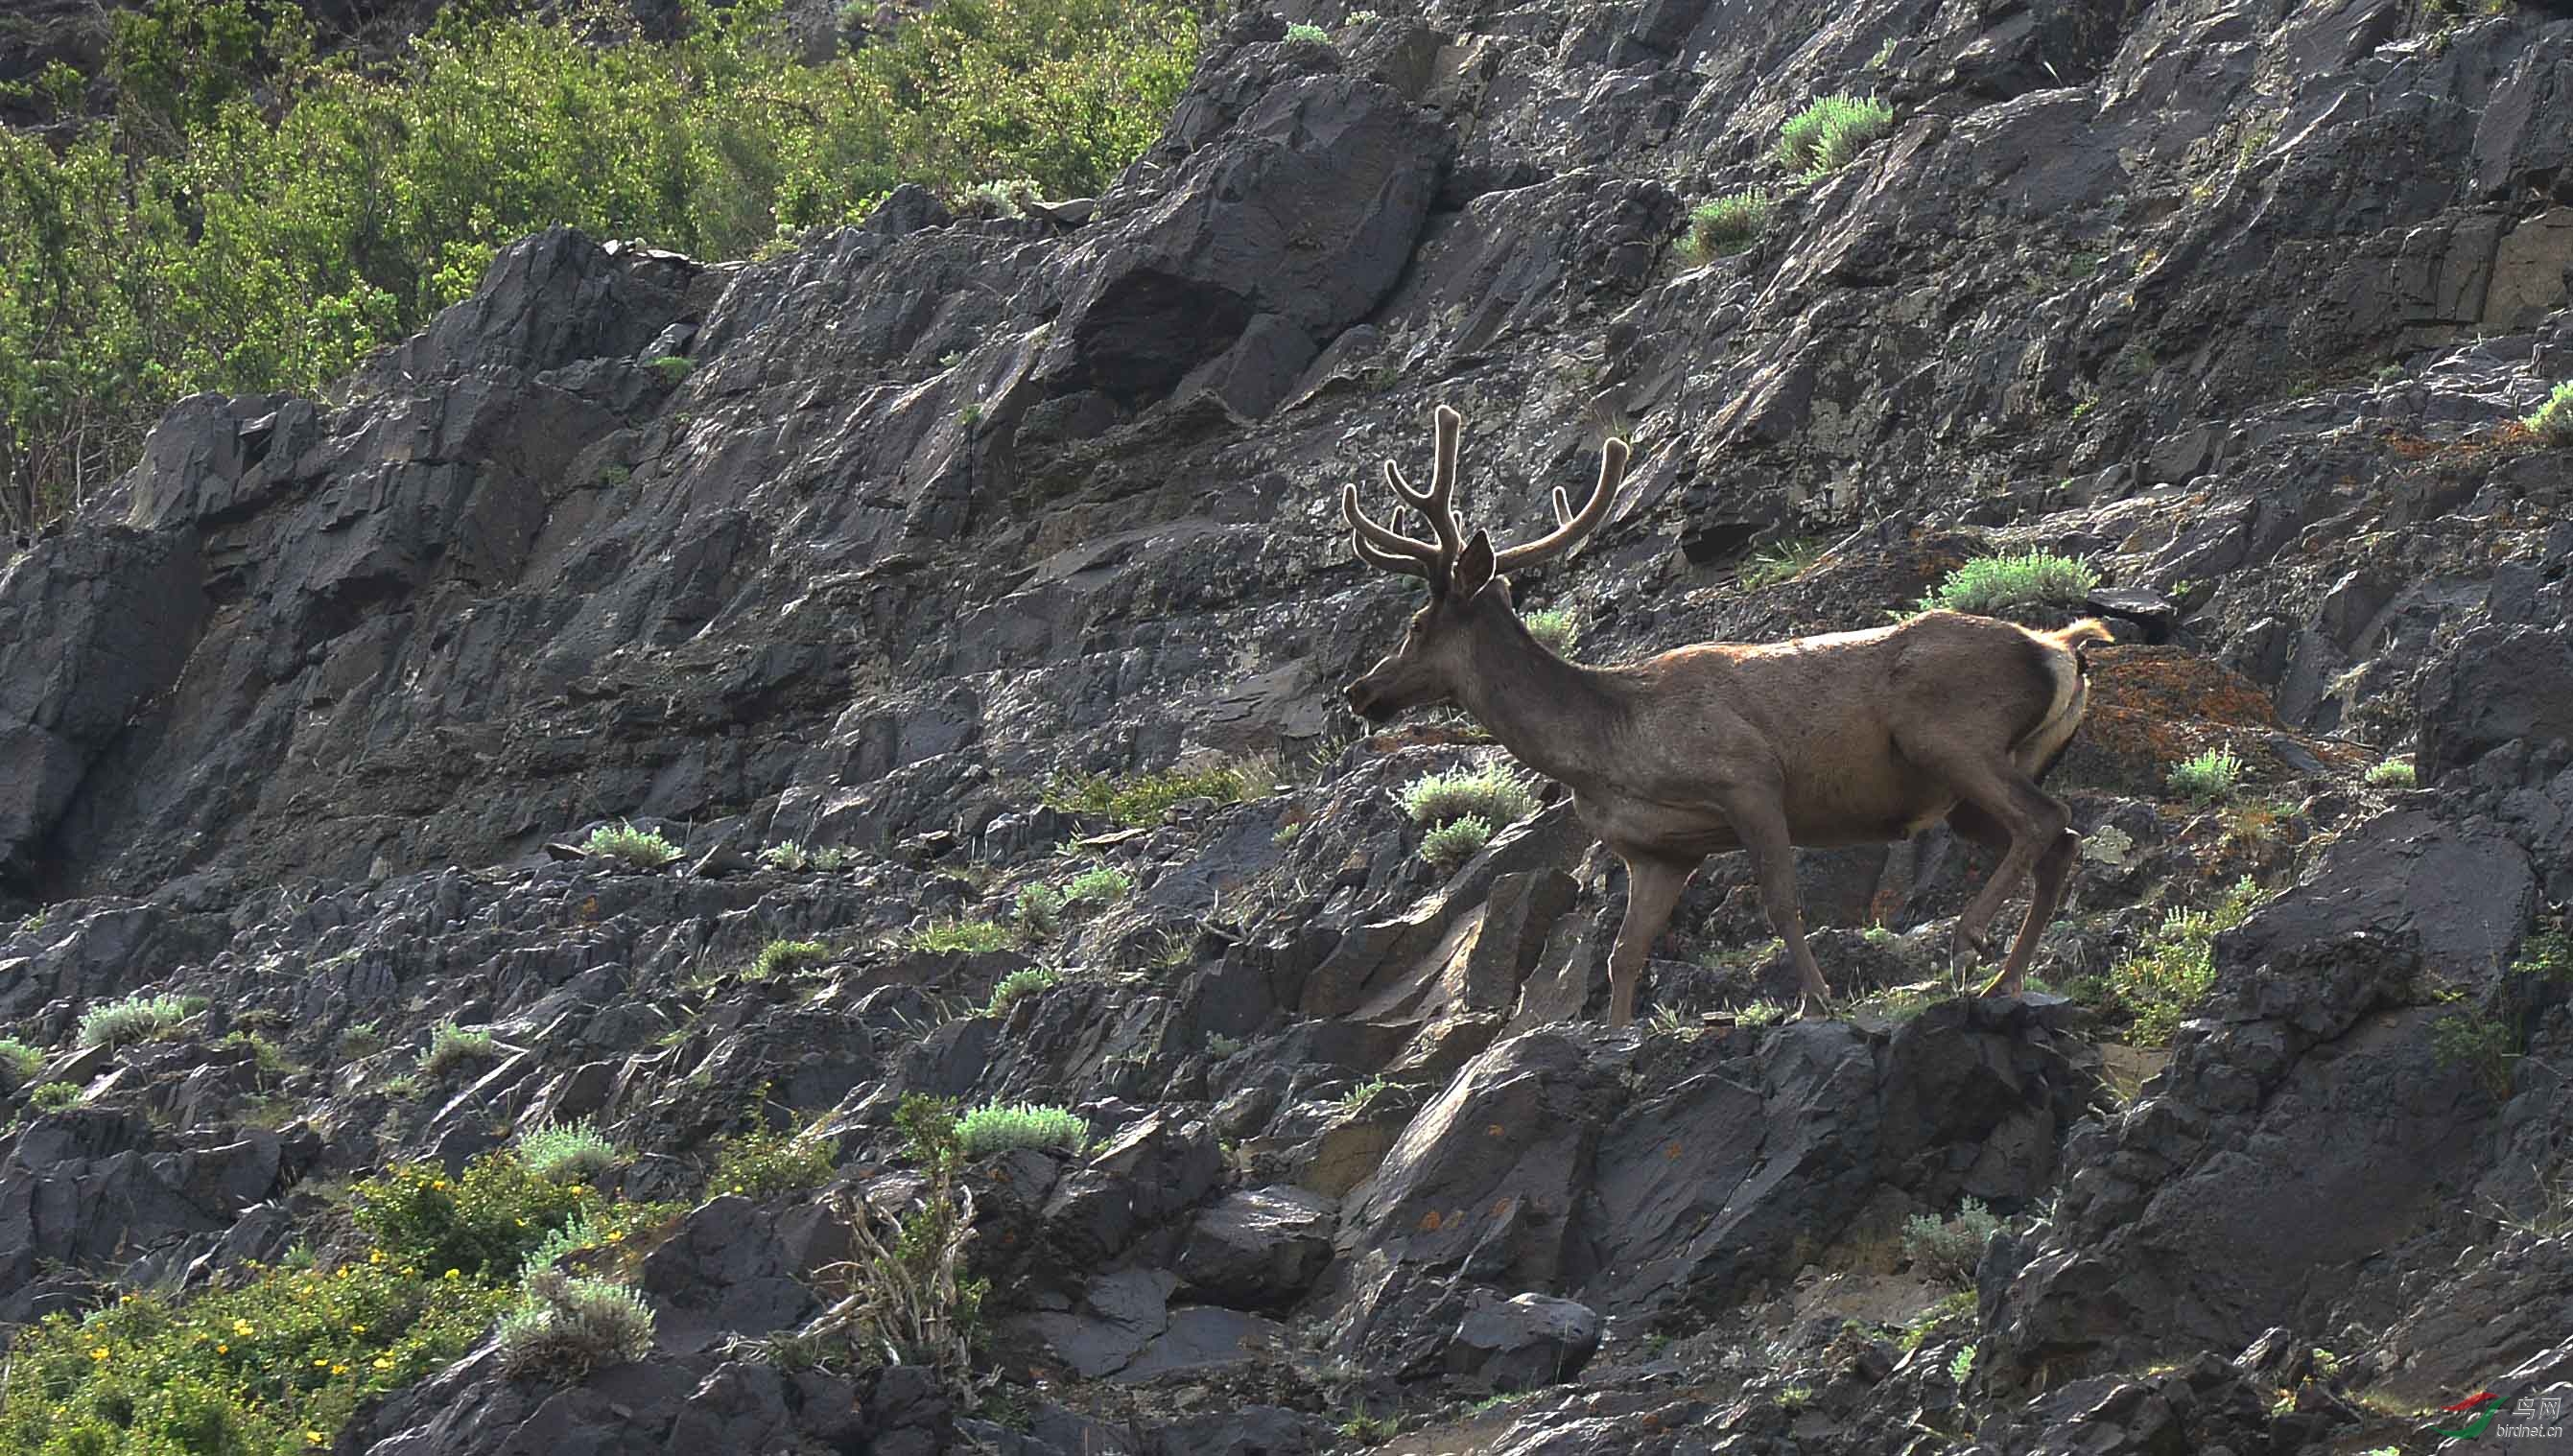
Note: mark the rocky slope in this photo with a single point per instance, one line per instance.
(941, 512)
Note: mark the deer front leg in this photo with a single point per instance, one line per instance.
(1652, 892)
(1761, 825)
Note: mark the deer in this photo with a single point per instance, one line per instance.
(1859, 737)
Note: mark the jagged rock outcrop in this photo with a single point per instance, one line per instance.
(2244, 306)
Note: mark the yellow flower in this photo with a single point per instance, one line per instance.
(456, 1273)
(339, 1369)
(357, 1329)
(344, 1272)
(99, 1354)
(242, 1327)
(314, 1438)
(384, 1362)
(736, 1188)
(376, 1256)
(320, 1364)
(618, 1236)
(222, 1349)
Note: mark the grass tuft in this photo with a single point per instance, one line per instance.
(2553, 421)
(1140, 801)
(761, 1164)
(566, 1325)
(973, 937)
(570, 1153)
(995, 1126)
(785, 957)
(1491, 793)
(135, 1018)
(1988, 583)
(1784, 561)
(1016, 984)
(452, 1045)
(1555, 629)
(1829, 133)
(1726, 225)
(1946, 1249)
(2208, 778)
(2393, 774)
(644, 849)
(1453, 843)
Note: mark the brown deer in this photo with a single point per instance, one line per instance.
(1849, 738)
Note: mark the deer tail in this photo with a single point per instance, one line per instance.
(2078, 636)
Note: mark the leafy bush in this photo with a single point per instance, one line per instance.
(55, 1096)
(114, 1022)
(1140, 801)
(907, 1298)
(259, 217)
(784, 958)
(2553, 421)
(568, 1325)
(1727, 224)
(1986, 584)
(972, 936)
(278, 1363)
(995, 1127)
(1453, 843)
(2394, 773)
(786, 855)
(1312, 34)
(452, 1045)
(2166, 977)
(641, 848)
(483, 1223)
(2546, 954)
(1223, 1048)
(763, 1164)
(1009, 197)
(2479, 1043)
(1041, 910)
(673, 368)
(1493, 793)
(19, 1063)
(2207, 777)
(572, 1153)
(1948, 1248)
(1555, 629)
(1826, 134)
(1099, 885)
(1016, 984)
(1759, 1014)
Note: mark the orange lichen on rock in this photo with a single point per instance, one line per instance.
(2152, 707)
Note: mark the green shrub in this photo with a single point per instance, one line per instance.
(483, 1223)
(2479, 1043)
(673, 368)
(2553, 421)
(1555, 629)
(2207, 777)
(566, 1325)
(994, 1127)
(2394, 773)
(1453, 843)
(1727, 224)
(1099, 885)
(1947, 1248)
(973, 937)
(761, 1164)
(1041, 910)
(2546, 954)
(1220, 1047)
(785, 957)
(1008, 197)
(136, 1018)
(1312, 34)
(1826, 134)
(572, 1153)
(1016, 984)
(263, 1054)
(1140, 801)
(54, 1097)
(1493, 793)
(1782, 562)
(907, 1298)
(19, 1063)
(641, 848)
(260, 217)
(785, 855)
(452, 1045)
(278, 1362)
(2170, 975)
(1759, 1014)
(1988, 583)
(1356, 1099)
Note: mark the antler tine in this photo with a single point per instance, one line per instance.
(1386, 550)
(1569, 530)
(1562, 507)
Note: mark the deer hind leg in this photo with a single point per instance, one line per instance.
(1761, 825)
(2054, 870)
(2003, 809)
(1652, 891)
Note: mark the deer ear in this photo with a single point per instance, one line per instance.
(1474, 565)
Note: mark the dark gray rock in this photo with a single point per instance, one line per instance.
(1524, 1342)
(1259, 1249)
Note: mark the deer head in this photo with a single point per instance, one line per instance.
(1468, 597)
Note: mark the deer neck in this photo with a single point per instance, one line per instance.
(1554, 716)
